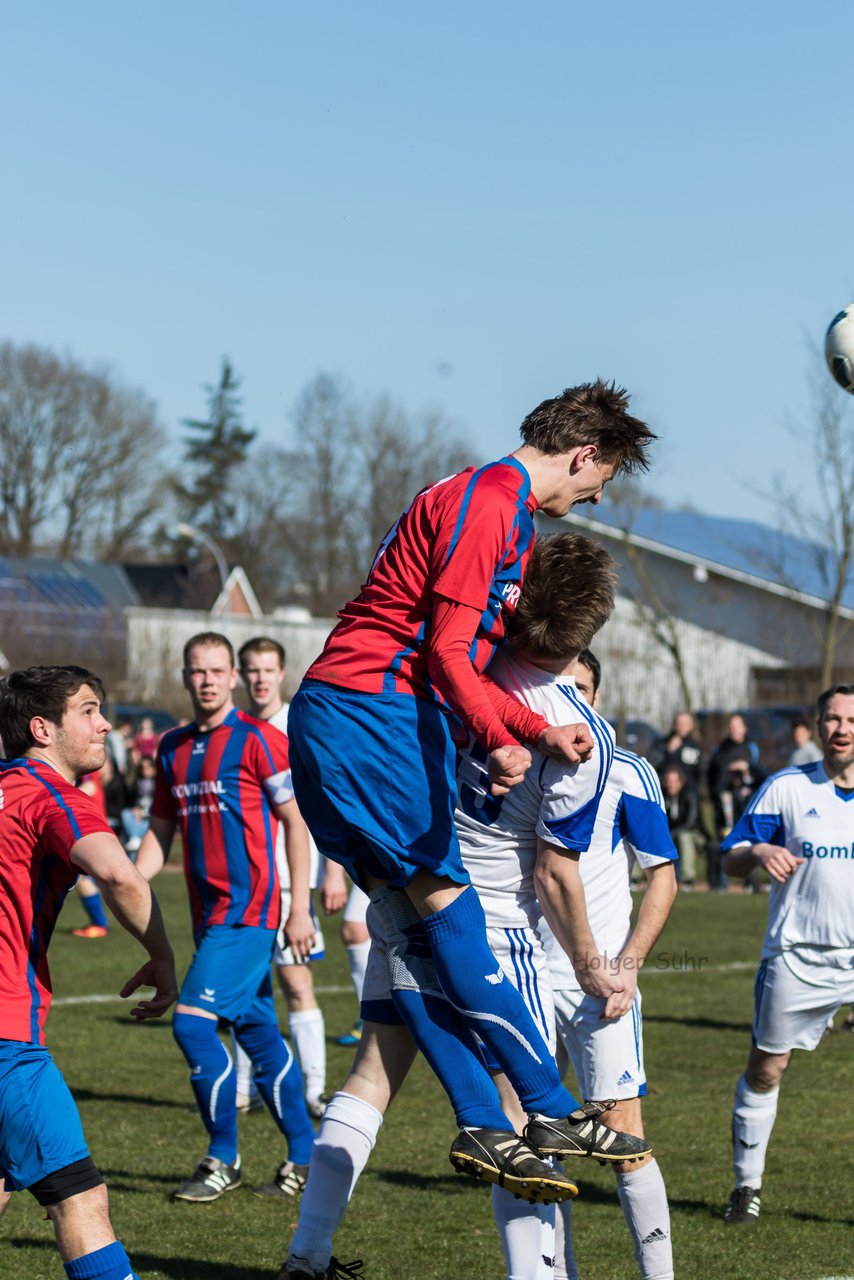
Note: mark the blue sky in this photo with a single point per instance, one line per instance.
(467, 205)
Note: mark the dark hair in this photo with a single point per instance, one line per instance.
(567, 596)
(261, 644)
(208, 640)
(588, 658)
(824, 698)
(592, 413)
(38, 691)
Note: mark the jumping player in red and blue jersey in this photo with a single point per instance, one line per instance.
(372, 752)
(225, 782)
(50, 831)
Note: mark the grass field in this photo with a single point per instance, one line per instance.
(412, 1218)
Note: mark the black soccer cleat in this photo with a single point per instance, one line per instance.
(289, 1181)
(502, 1157)
(743, 1205)
(582, 1134)
(294, 1268)
(211, 1180)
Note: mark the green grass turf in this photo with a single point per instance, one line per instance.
(412, 1218)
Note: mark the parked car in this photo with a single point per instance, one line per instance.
(635, 735)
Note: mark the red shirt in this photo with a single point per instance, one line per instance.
(466, 539)
(219, 787)
(41, 819)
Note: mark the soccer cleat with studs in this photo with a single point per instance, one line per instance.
(502, 1157)
(581, 1133)
(288, 1182)
(743, 1205)
(299, 1269)
(211, 1180)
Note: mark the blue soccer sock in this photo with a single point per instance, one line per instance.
(446, 1042)
(474, 982)
(213, 1080)
(279, 1082)
(109, 1263)
(94, 908)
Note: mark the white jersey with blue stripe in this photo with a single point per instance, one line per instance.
(631, 823)
(498, 834)
(803, 810)
(280, 721)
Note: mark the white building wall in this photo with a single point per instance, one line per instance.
(639, 677)
(156, 639)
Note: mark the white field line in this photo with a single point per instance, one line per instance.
(683, 965)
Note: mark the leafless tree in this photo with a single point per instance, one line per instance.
(656, 610)
(825, 525)
(79, 457)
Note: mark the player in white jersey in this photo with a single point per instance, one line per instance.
(498, 837)
(262, 668)
(798, 827)
(597, 1003)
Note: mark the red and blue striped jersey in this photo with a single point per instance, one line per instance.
(219, 786)
(466, 539)
(41, 819)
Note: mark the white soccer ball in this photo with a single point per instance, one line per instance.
(839, 348)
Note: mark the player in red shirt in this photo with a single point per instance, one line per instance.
(225, 783)
(372, 755)
(53, 733)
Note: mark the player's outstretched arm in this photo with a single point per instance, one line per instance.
(777, 861)
(132, 902)
(299, 927)
(155, 847)
(560, 892)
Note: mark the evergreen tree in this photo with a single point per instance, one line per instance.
(214, 450)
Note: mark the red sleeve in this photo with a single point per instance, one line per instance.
(163, 803)
(468, 549)
(525, 723)
(67, 819)
(455, 678)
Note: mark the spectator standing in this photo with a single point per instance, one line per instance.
(681, 747)
(733, 777)
(682, 809)
(804, 749)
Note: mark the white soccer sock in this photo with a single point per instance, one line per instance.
(644, 1203)
(357, 958)
(242, 1067)
(753, 1116)
(565, 1265)
(308, 1036)
(527, 1236)
(344, 1141)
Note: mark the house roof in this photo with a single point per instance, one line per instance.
(742, 549)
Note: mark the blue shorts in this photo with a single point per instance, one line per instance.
(40, 1129)
(230, 973)
(374, 777)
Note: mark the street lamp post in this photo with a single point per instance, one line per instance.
(192, 534)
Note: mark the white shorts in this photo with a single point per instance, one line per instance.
(357, 906)
(282, 953)
(789, 1013)
(606, 1056)
(523, 959)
